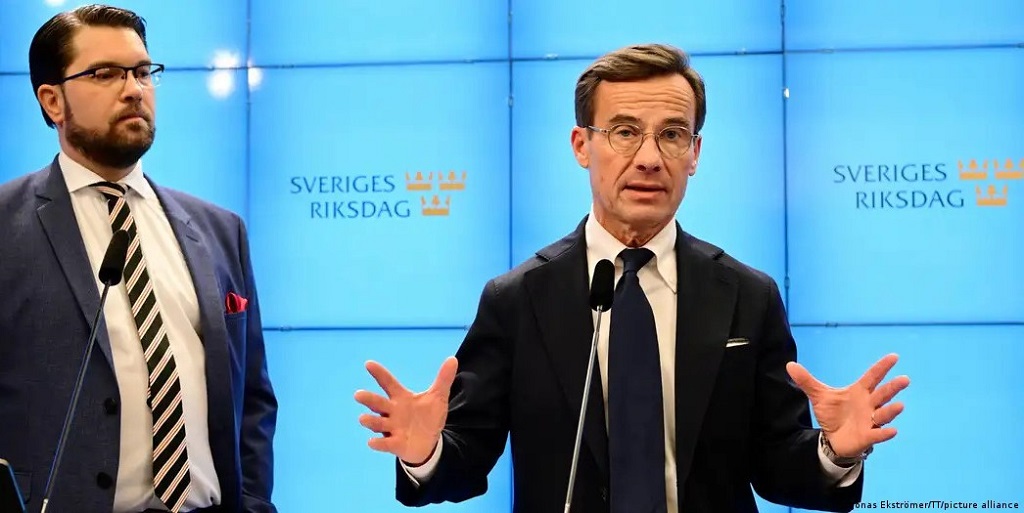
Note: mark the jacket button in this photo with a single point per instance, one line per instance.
(110, 406)
(104, 481)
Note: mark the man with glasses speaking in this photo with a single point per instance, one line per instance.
(175, 411)
(692, 401)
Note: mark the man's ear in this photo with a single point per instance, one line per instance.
(51, 99)
(580, 139)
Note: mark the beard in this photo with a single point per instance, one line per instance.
(120, 146)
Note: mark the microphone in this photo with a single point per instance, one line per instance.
(602, 291)
(110, 274)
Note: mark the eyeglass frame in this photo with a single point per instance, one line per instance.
(91, 72)
(643, 136)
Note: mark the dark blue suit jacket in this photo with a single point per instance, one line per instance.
(739, 420)
(48, 297)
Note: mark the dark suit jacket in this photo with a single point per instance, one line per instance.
(739, 421)
(48, 301)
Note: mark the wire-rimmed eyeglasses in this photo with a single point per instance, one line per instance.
(673, 141)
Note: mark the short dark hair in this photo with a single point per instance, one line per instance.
(51, 50)
(638, 62)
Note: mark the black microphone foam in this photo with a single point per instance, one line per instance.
(113, 261)
(602, 287)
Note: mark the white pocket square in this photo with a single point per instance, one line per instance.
(736, 342)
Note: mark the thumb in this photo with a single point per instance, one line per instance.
(804, 380)
(445, 376)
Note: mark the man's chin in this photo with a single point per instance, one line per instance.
(649, 210)
(649, 216)
(133, 127)
(138, 139)
(126, 154)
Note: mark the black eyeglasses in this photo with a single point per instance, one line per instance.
(148, 75)
(672, 141)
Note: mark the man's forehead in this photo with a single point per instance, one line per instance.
(107, 44)
(668, 96)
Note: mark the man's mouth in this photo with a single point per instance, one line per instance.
(133, 116)
(643, 187)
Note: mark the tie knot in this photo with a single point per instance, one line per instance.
(110, 190)
(633, 259)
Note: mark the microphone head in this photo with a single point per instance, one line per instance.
(114, 259)
(602, 287)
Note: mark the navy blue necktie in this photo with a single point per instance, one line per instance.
(636, 433)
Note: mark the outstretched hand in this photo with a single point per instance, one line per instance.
(853, 417)
(411, 423)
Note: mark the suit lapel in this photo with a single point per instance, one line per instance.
(706, 300)
(559, 292)
(214, 333)
(57, 217)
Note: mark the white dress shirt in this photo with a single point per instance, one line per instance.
(179, 308)
(658, 280)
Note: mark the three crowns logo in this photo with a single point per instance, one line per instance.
(445, 182)
(992, 195)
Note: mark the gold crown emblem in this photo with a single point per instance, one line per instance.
(418, 183)
(431, 205)
(1004, 171)
(1008, 171)
(435, 207)
(971, 172)
(992, 198)
(453, 181)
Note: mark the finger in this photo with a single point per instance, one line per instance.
(804, 380)
(375, 423)
(384, 444)
(375, 402)
(877, 436)
(887, 413)
(886, 392)
(385, 379)
(877, 372)
(445, 376)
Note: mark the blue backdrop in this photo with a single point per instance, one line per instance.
(390, 157)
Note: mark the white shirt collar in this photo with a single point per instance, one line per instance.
(602, 244)
(78, 177)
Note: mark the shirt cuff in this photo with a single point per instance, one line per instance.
(840, 476)
(421, 474)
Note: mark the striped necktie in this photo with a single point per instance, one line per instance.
(171, 478)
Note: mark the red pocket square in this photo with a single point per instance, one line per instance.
(235, 303)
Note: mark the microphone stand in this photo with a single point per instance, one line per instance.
(583, 410)
(52, 478)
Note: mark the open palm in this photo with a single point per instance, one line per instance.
(853, 417)
(411, 423)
